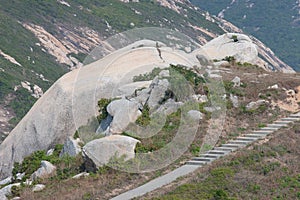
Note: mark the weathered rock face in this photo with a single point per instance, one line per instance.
(46, 170)
(100, 151)
(231, 44)
(71, 147)
(68, 104)
(124, 112)
(158, 92)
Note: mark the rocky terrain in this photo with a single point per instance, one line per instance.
(48, 39)
(123, 108)
(136, 91)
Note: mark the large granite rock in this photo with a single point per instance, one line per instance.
(237, 45)
(124, 112)
(72, 100)
(100, 151)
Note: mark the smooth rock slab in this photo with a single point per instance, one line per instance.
(100, 151)
(124, 112)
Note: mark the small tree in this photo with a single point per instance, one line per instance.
(234, 37)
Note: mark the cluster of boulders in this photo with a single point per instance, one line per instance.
(46, 170)
(157, 98)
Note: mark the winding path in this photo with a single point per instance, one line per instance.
(208, 157)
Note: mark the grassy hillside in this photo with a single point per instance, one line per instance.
(276, 23)
(268, 171)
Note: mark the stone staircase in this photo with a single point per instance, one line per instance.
(208, 157)
(242, 141)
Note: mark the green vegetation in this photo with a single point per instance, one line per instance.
(228, 85)
(102, 104)
(260, 109)
(162, 138)
(66, 166)
(234, 37)
(279, 31)
(222, 181)
(190, 76)
(230, 59)
(144, 119)
(148, 76)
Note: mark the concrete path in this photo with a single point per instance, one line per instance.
(208, 157)
(157, 183)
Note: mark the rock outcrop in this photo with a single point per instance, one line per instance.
(239, 46)
(100, 151)
(72, 100)
(124, 112)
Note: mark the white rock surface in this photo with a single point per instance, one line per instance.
(100, 151)
(83, 174)
(235, 100)
(6, 181)
(38, 187)
(72, 100)
(195, 114)
(6, 191)
(244, 50)
(274, 87)
(46, 170)
(236, 81)
(124, 112)
(158, 92)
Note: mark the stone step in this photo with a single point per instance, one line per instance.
(228, 149)
(296, 115)
(269, 128)
(239, 142)
(194, 162)
(203, 159)
(277, 125)
(262, 132)
(208, 155)
(282, 122)
(255, 135)
(218, 152)
(233, 145)
(290, 119)
(246, 138)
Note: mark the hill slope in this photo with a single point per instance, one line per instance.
(40, 41)
(276, 23)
